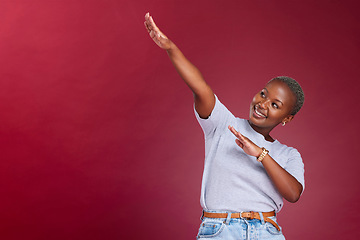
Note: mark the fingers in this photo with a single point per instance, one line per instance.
(237, 134)
(152, 23)
(157, 36)
(149, 23)
(239, 143)
(147, 19)
(152, 29)
(233, 130)
(146, 26)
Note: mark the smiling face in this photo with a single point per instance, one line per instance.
(271, 106)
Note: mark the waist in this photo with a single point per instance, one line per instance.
(262, 216)
(249, 215)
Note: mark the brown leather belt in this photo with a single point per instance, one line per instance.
(248, 215)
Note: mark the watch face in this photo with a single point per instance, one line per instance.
(262, 155)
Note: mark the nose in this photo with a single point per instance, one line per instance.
(263, 103)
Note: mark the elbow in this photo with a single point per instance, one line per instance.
(295, 196)
(293, 199)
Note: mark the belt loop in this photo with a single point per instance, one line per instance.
(262, 218)
(247, 229)
(227, 221)
(202, 215)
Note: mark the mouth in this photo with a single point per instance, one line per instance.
(258, 113)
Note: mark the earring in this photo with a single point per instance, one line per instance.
(283, 123)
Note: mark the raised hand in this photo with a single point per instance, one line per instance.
(246, 144)
(157, 36)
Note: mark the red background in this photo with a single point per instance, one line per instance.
(97, 132)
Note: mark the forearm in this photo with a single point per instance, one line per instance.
(203, 95)
(204, 98)
(286, 184)
(188, 72)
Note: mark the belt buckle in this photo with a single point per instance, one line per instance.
(251, 215)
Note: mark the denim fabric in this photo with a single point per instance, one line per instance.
(238, 229)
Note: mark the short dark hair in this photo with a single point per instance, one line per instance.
(296, 89)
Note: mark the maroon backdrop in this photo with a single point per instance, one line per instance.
(98, 137)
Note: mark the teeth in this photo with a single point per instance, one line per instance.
(259, 113)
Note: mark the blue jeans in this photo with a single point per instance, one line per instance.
(238, 229)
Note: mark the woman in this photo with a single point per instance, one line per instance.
(247, 173)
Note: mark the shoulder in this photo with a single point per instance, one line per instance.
(288, 151)
(220, 111)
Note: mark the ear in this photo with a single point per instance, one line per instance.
(288, 119)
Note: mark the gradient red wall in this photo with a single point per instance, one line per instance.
(97, 134)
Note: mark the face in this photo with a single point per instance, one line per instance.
(271, 106)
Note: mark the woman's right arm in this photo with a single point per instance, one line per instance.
(203, 95)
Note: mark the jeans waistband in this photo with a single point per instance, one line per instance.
(262, 216)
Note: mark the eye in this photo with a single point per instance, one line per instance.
(275, 105)
(262, 94)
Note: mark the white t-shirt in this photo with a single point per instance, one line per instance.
(234, 181)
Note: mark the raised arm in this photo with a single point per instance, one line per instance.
(203, 95)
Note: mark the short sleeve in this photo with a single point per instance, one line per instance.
(295, 167)
(219, 118)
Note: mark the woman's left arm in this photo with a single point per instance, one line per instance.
(286, 184)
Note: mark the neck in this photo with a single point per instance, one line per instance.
(263, 131)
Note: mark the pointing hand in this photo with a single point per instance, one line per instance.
(246, 144)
